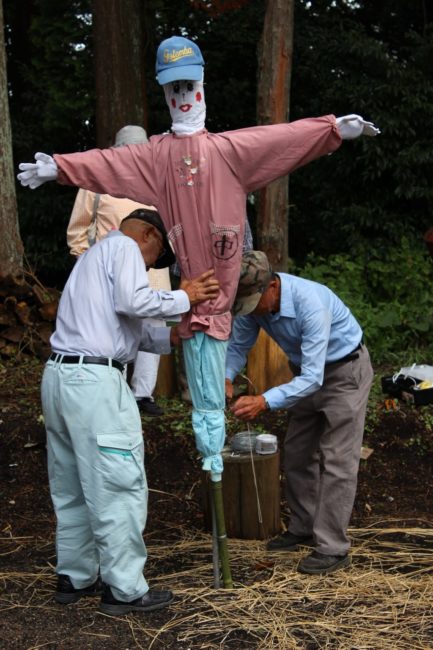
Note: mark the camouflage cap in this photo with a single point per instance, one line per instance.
(256, 273)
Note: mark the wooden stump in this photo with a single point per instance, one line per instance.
(241, 497)
(267, 365)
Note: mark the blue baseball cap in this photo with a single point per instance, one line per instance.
(178, 58)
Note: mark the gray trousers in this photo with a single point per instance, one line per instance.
(322, 451)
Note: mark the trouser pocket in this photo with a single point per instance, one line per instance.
(121, 460)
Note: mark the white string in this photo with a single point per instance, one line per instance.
(259, 509)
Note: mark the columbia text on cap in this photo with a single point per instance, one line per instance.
(177, 59)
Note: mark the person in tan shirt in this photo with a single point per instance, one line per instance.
(92, 217)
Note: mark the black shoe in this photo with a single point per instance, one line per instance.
(289, 542)
(148, 407)
(67, 594)
(317, 563)
(152, 600)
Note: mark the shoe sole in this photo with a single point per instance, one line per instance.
(69, 599)
(66, 599)
(151, 415)
(294, 547)
(345, 562)
(115, 610)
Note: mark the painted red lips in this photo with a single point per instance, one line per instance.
(185, 107)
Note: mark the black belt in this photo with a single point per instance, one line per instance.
(349, 357)
(100, 361)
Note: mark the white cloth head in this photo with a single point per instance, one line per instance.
(185, 99)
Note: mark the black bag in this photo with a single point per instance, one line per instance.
(404, 382)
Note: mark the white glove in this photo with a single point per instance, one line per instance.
(35, 174)
(352, 126)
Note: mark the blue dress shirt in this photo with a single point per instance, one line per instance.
(313, 327)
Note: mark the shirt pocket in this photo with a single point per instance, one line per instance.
(226, 244)
(121, 460)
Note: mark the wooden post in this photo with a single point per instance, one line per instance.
(267, 365)
(244, 505)
(166, 383)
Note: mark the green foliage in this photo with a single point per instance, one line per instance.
(389, 290)
(375, 62)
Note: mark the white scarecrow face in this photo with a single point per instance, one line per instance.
(185, 100)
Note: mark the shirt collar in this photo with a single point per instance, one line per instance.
(287, 307)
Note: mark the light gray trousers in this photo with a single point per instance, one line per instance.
(97, 478)
(321, 454)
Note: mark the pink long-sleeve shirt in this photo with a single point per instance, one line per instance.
(199, 184)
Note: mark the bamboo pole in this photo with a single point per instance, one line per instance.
(215, 553)
(217, 496)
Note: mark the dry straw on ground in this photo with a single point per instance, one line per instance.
(383, 602)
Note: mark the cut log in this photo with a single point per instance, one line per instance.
(27, 315)
(14, 333)
(250, 512)
(48, 311)
(6, 317)
(24, 313)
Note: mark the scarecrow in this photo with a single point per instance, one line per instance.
(198, 181)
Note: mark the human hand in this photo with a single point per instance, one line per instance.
(249, 407)
(204, 287)
(229, 389)
(35, 174)
(352, 126)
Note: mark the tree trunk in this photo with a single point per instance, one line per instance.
(274, 66)
(267, 364)
(119, 67)
(11, 248)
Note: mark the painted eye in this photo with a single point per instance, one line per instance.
(176, 87)
(190, 86)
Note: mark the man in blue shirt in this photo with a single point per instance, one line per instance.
(327, 400)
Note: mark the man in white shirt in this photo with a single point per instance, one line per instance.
(94, 438)
(92, 217)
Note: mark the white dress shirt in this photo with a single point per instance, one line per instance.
(105, 300)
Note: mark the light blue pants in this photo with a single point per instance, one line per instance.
(205, 359)
(97, 477)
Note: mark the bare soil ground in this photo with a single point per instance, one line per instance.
(392, 513)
